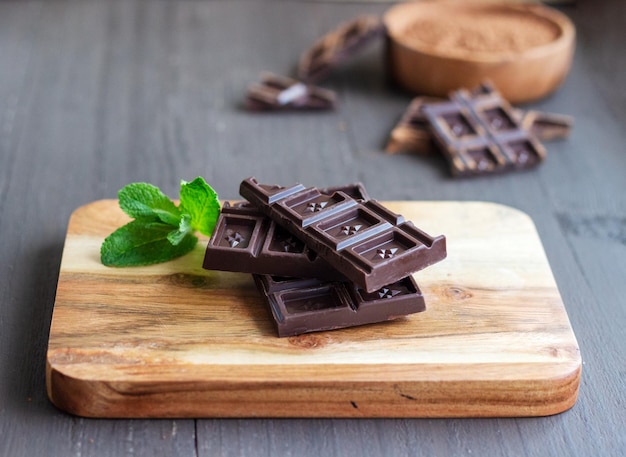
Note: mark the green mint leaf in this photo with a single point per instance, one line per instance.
(141, 200)
(184, 229)
(143, 242)
(200, 201)
(160, 231)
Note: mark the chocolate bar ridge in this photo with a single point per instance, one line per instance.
(364, 241)
(307, 305)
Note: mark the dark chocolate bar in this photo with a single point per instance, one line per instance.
(280, 93)
(479, 133)
(307, 305)
(412, 133)
(364, 241)
(246, 241)
(338, 45)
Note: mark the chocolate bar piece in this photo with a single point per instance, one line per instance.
(307, 305)
(412, 133)
(478, 133)
(336, 46)
(246, 241)
(279, 93)
(364, 241)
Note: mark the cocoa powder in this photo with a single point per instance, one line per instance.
(489, 30)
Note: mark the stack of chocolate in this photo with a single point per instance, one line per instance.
(323, 258)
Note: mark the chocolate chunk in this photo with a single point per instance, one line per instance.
(479, 133)
(246, 241)
(279, 93)
(364, 241)
(337, 46)
(412, 133)
(308, 305)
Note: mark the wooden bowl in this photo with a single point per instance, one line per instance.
(435, 47)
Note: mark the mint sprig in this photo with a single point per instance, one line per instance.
(160, 230)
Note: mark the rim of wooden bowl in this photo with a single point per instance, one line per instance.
(405, 12)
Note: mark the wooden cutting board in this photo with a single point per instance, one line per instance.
(174, 340)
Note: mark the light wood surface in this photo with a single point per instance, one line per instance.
(174, 340)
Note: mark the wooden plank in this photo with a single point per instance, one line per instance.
(174, 340)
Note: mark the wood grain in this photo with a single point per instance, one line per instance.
(174, 340)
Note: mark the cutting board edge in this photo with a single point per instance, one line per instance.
(225, 397)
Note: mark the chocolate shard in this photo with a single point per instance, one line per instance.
(244, 240)
(412, 132)
(479, 133)
(281, 93)
(337, 46)
(300, 306)
(363, 240)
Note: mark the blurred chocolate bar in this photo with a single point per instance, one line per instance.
(337, 46)
(278, 93)
(478, 133)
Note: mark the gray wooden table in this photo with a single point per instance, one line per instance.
(97, 94)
